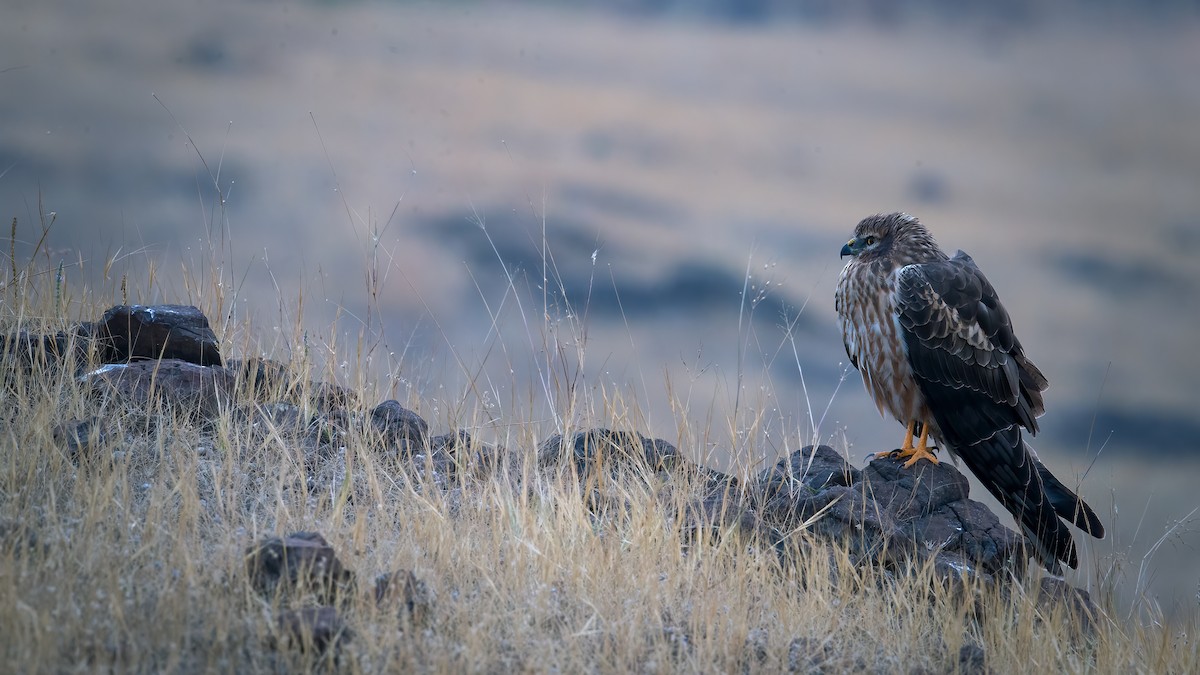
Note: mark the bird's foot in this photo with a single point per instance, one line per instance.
(915, 455)
(908, 451)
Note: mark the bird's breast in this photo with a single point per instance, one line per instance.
(871, 330)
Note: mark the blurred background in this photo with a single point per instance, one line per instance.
(644, 200)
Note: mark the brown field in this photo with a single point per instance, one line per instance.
(317, 170)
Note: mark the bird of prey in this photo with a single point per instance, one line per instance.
(937, 351)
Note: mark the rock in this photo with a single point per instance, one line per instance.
(329, 399)
(189, 389)
(261, 379)
(661, 455)
(158, 332)
(1056, 594)
(972, 659)
(80, 439)
(457, 445)
(841, 514)
(912, 514)
(400, 427)
(610, 450)
(413, 596)
(301, 561)
(930, 505)
(312, 628)
(328, 430)
(814, 469)
(462, 457)
(908, 493)
(455, 455)
(817, 490)
(716, 506)
(29, 349)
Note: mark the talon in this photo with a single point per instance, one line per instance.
(921, 451)
(906, 450)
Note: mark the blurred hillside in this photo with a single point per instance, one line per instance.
(668, 181)
(1000, 13)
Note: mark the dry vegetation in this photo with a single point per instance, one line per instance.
(132, 559)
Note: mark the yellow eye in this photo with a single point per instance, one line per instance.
(870, 240)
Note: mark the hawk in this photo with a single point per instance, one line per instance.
(937, 351)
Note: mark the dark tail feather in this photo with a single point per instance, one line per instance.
(1068, 504)
(1010, 472)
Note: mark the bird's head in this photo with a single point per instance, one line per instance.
(897, 236)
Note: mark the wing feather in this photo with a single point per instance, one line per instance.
(960, 337)
(981, 389)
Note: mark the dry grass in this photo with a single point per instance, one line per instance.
(133, 559)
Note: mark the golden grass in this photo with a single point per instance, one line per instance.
(139, 559)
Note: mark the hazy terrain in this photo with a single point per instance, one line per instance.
(653, 167)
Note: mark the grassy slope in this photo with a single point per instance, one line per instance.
(139, 563)
(1062, 149)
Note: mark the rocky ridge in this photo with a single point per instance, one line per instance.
(167, 358)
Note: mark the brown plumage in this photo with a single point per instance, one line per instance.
(937, 351)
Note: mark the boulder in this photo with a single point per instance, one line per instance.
(189, 389)
(299, 562)
(180, 332)
(914, 514)
(815, 470)
(608, 449)
(331, 399)
(261, 379)
(400, 427)
(1075, 603)
(931, 506)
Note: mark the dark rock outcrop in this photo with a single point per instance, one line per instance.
(261, 379)
(714, 504)
(608, 449)
(888, 513)
(188, 389)
(1074, 603)
(887, 516)
(817, 469)
(400, 427)
(300, 562)
(329, 398)
(125, 333)
(972, 659)
(62, 347)
(180, 332)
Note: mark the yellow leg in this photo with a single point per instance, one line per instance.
(921, 451)
(904, 451)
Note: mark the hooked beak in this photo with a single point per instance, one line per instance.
(847, 249)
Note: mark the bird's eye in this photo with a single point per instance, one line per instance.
(870, 240)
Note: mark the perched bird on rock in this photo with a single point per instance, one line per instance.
(937, 351)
